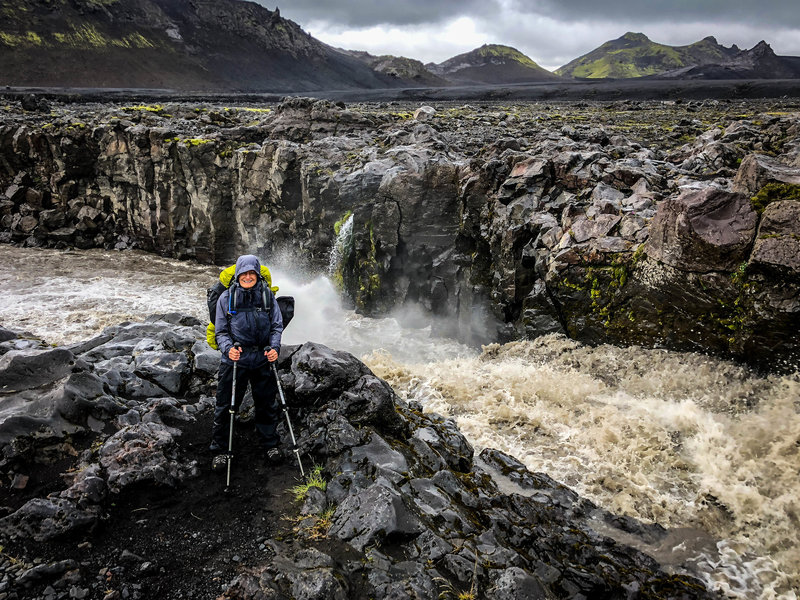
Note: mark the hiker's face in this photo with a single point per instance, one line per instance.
(248, 279)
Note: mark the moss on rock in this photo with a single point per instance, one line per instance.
(772, 192)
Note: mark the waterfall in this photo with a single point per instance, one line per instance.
(341, 247)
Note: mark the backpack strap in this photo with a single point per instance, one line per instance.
(232, 300)
(267, 305)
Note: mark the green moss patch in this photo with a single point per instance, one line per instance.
(772, 192)
(337, 227)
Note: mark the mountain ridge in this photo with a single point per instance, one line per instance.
(240, 46)
(492, 63)
(180, 44)
(635, 55)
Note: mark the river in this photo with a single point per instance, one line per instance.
(703, 446)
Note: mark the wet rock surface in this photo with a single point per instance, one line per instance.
(121, 503)
(601, 220)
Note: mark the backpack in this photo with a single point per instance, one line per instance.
(285, 303)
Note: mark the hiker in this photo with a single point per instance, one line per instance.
(248, 327)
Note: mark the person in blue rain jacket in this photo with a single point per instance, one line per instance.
(248, 327)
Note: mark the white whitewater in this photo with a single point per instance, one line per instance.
(700, 445)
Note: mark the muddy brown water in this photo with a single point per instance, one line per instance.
(702, 446)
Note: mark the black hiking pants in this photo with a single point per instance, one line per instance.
(267, 411)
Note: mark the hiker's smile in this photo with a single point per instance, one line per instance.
(248, 279)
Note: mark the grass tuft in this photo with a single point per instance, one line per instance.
(313, 480)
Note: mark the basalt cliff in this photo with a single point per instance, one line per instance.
(660, 224)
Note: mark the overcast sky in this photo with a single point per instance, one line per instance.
(551, 32)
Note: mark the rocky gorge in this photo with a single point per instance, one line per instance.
(107, 491)
(663, 224)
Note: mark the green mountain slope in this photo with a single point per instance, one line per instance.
(492, 64)
(635, 55)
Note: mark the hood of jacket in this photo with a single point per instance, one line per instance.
(245, 263)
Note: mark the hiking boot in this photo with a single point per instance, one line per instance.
(219, 462)
(272, 455)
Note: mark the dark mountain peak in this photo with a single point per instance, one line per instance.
(762, 49)
(175, 44)
(760, 62)
(629, 40)
(400, 68)
(710, 39)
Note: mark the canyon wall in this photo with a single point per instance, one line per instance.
(655, 224)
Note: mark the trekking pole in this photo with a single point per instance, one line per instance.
(231, 411)
(286, 413)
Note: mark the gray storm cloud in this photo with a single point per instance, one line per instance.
(365, 13)
(552, 32)
(785, 13)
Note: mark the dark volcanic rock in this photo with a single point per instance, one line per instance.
(777, 244)
(373, 515)
(321, 373)
(406, 506)
(710, 230)
(758, 170)
(6, 334)
(49, 391)
(143, 452)
(44, 519)
(494, 223)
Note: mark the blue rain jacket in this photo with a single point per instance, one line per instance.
(252, 327)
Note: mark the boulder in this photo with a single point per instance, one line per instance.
(517, 584)
(206, 359)
(424, 113)
(168, 370)
(777, 246)
(373, 515)
(143, 452)
(33, 103)
(26, 370)
(321, 373)
(49, 392)
(757, 170)
(44, 519)
(584, 229)
(709, 230)
(371, 401)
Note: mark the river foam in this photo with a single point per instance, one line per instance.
(681, 439)
(700, 445)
